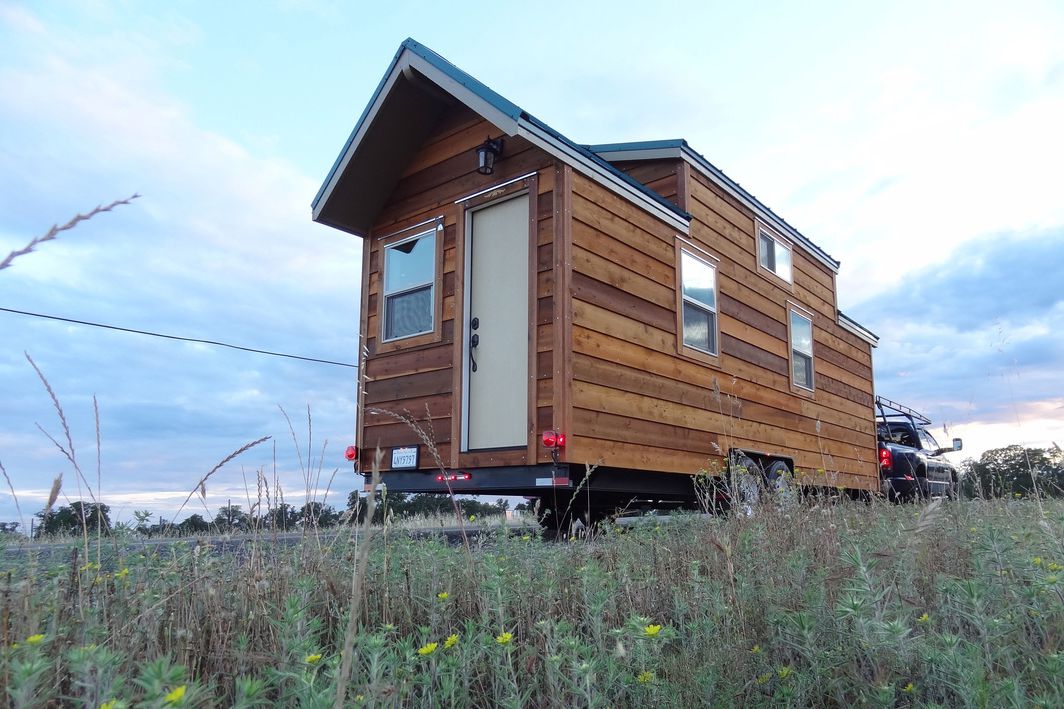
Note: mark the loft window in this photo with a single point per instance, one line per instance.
(409, 285)
(699, 303)
(773, 253)
(801, 350)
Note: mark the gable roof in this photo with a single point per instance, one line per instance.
(678, 148)
(417, 87)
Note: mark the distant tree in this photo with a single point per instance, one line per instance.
(194, 524)
(406, 505)
(231, 518)
(281, 518)
(317, 514)
(73, 518)
(8, 528)
(1015, 470)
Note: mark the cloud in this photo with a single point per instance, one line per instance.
(979, 338)
(220, 246)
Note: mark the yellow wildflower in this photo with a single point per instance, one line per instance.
(472, 518)
(504, 638)
(924, 618)
(35, 639)
(175, 696)
(427, 649)
(651, 631)
(443, 595)
(526, 537)
(909, 688)
(1037, 561)
(1051, 579)
(109, 705)
(645, 677)
(312, 659)
(756, 649)
(451, 641)
(1054, 566)
(784, 672)
(761, 679)
(122, 574)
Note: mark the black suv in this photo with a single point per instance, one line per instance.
(911, 465)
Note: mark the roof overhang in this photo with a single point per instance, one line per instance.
(849, 324)
(679, 149)
(417, 87)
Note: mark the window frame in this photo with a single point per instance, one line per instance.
(779, 242)
(684, 246)
(795, 309)
(433, 227)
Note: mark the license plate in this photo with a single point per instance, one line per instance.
(404, 458)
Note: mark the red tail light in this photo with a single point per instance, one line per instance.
(553, 439)
(886, 460)
(351, 453)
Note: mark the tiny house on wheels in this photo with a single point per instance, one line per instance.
(596, 320)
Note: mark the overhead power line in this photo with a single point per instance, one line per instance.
(178, 337)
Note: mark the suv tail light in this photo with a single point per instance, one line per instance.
(886, 460)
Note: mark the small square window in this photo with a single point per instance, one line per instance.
(774, 254)
(699, 292)
(409, 286)
(801, 350)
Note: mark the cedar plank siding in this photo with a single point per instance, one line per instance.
(418, 380)
(638, 403)
(663, 176)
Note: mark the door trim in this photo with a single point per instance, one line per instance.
(511, 189)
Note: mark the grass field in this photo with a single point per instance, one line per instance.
(956, 605)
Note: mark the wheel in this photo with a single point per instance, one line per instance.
(780, 483)
(747, 479)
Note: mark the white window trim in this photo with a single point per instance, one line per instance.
(805, 315)
(684, 298)
(780, 243)
(385, 294)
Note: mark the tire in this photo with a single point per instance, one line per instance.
(779, 482)
(747, 483)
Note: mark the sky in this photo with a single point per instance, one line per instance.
(918, 143)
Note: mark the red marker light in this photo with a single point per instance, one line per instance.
(351, 453)
(553, 439)
(453, 477)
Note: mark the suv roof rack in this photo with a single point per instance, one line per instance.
(896, 410)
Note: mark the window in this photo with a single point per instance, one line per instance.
(699, 303)
(801, 350)
(409, 285)
(773, 254)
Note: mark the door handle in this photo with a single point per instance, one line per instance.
(473, 342)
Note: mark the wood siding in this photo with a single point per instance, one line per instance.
(417, 379)
(666, 177)
(637, 402)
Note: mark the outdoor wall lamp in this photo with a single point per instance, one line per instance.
(486, 154)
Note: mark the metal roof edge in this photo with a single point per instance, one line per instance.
(848, 323)
(603, 172)
(443, 72)
(678, 147)
(358, 126)
(637, 145)
(717, 175)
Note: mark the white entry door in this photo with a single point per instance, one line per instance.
(496, 326)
